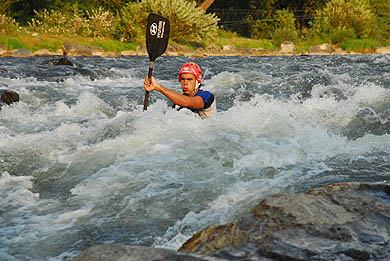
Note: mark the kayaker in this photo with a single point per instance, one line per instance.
(193, 98)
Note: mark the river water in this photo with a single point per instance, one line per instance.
(82, 164)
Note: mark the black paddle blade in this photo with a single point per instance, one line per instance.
(157, 35)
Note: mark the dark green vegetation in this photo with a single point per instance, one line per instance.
(353, 25)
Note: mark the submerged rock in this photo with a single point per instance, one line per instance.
(62, 61)
(347, 221)
(8, 97)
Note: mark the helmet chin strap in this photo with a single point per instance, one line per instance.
(196, 88)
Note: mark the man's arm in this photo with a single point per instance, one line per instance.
(195, 102)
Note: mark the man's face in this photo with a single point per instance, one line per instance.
(188, 83)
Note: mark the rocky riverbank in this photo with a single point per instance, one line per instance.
(286, 48)
(346, 221)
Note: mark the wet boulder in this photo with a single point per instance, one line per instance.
(8, 97)
(129, 53)
(227, 49)
(213, 49)
(111, 54)
(72, 49)
(3, 49)
(174, 49)
(62, 61)
(46, 52)
(320, 49)
(382, 50)
(18, 53)
(346, 221)
(118, 252)
(287, 47)
(97, 51)
(141, 50)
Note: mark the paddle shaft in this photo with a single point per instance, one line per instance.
(151, 65)
(157, 36)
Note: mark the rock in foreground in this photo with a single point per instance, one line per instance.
(347, 221)
(118, 252)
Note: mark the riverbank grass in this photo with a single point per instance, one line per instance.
(36, 41)
(231, 38)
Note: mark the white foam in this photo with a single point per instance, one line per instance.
(15, 191)
(126, 167)
(70, 217)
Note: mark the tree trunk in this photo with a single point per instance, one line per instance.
(4, 6)
(206, 4)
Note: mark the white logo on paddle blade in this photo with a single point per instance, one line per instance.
(161, 29)
(153, 29)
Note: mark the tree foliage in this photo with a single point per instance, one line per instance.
(189, 23)
(7, 24)
(240, 16)
(285, 27)
(381, 9)
(95, 23)
(338, 17)
(5, 6)
(132, 17)
(280, 27)
(24, 10)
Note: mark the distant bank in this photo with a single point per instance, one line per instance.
(286, 48)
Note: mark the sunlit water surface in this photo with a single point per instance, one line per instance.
(82, 164)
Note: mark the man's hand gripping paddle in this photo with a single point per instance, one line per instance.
(157, 36)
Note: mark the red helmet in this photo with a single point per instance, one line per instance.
(193, 69)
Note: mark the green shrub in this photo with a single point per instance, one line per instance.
(340, 35)
(285, 28)
(281, 34)
(189, 23)
(262, 29)
(360, 45)
(7, 24)
(381, 9)
(57, 22)
(5, 6)
(97, 23)
(341, 19)
(101, 22)
(50, 45)
(132, 23)
(11, 43)
(112, 45)
(280, 27)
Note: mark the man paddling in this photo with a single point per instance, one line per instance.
(193, 98)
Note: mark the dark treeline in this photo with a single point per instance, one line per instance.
(24, 10)
(236, 14)
(233, 13)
